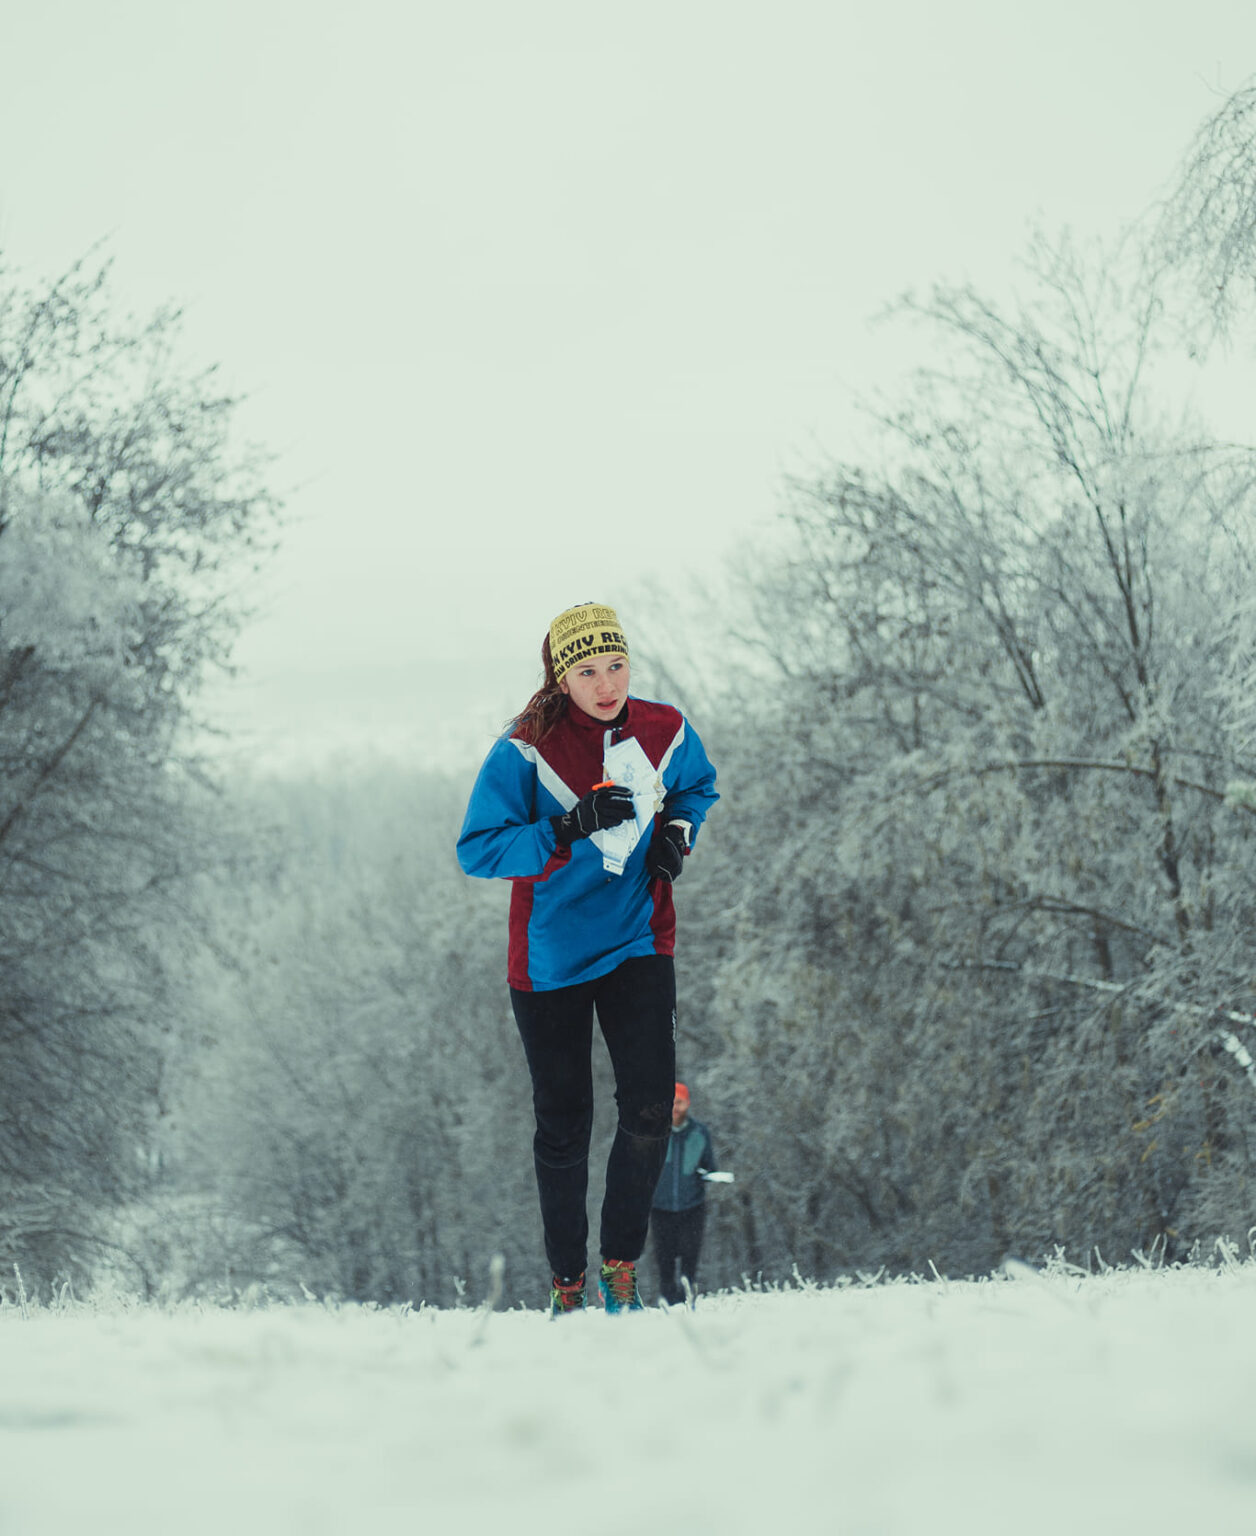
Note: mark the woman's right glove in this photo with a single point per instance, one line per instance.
(605, 806)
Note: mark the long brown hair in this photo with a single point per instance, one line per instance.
(544, 709)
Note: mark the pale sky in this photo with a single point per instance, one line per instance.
(537, 300)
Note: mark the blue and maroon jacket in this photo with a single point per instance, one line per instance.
(571, 921)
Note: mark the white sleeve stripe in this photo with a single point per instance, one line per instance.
(549, 779)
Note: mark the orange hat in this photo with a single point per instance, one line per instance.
(682, 1094)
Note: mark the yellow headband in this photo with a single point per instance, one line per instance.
(577, 634)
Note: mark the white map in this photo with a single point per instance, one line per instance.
(625, 762)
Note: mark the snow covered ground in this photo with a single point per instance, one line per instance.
(1027, 1403)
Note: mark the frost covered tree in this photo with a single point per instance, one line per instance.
(1207, 228)
(995, 898)
(124, 513)
(359, 1120)
(1205, 242)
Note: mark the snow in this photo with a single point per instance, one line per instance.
(1030, 1402)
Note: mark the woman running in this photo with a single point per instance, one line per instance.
(589, 804)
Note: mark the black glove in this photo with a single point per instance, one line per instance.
(665, 857)
(605, 806)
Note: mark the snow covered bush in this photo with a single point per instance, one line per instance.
(360, 1105)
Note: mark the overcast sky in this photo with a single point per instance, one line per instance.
(533, 300)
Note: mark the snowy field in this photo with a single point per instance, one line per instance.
(1027, 1403)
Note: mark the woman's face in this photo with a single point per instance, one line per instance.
(598, 686)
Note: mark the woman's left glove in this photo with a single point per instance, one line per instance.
(665, 857)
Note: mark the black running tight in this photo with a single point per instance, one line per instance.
(636, 1010)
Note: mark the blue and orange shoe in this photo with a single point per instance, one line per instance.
(618, 1286)
(566, 1295)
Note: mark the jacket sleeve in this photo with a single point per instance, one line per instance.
(500, 839)
(709, 1162)
(691, 783)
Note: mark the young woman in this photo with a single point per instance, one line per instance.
(589, 805)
